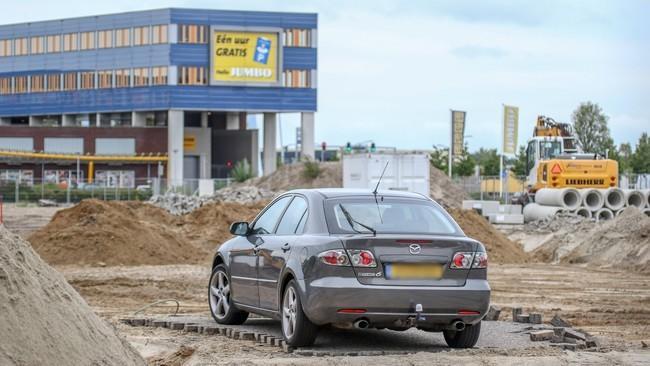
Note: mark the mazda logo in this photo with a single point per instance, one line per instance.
(415, 248)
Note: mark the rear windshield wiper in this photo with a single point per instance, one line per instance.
(352, 221)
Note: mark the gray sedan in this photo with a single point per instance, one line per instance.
(352, 259)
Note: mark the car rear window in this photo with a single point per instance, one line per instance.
(388, 216)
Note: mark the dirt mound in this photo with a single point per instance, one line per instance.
(500, 249)
(620, 243)
(292, 176)
(44, 320)
(443, 190)
(114, 233)
(136, 233)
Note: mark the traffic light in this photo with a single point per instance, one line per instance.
(348, 147)
(323, 146)
(229, 164)
(373, 147)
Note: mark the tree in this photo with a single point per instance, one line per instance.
(590, 125)
(465, 165)
(519, 163)
(625, 157)
(439, 158)
(488, 160)
(640, 161)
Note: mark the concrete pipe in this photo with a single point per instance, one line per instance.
(634, 198)
(646, 212)
(534, 211)
(583, 211)
(646, 193)
(592, 199)
(604, 214)
(614, 198)
(566, 198)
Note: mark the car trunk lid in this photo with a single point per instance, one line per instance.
(411, 260)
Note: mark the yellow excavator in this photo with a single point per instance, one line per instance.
(554, 160)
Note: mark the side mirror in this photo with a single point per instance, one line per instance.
(239, 228)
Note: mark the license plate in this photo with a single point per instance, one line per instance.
(405, 271)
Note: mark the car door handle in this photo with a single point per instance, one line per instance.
(286, 247)
(256, 250)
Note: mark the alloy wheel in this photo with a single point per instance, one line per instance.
(220, 295)
(289, 305)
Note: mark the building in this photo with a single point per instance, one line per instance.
(161, 93)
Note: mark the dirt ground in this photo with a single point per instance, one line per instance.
(612, 304)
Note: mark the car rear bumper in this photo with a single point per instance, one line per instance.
(392, 306)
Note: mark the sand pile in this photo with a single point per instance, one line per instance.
(443, 190)
(44, 321)
(621, 243)
(114, 233)
(500, 249)
(135, 233)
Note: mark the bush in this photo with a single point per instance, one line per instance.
(242, 171)
(311, 169)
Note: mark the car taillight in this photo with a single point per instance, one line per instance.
(480, 260)
(467, 260)
(462, 260)
(362, 258)
(335, 257)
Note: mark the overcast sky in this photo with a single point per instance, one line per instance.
(390, 71)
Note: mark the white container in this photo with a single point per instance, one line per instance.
(405, 172)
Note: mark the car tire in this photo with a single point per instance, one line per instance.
(220, 300)
(297, 329)
(466, 338)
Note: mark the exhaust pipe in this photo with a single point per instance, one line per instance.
(361, 324)
(458, 326)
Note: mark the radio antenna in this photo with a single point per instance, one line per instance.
(380, 177)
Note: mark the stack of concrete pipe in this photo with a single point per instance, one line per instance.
(599, 204)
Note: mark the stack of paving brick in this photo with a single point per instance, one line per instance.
(496, 212)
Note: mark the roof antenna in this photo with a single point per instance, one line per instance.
(380, 177)
(381, 219)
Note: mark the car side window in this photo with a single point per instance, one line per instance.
(292, 217)
(265, 224)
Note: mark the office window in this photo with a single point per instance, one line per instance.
(54, 44)
(192, 34)
(141, 76)
(5, 86)
(105, 39)
(141, 36)
(123, 37)
(38, 83)
(122, 78)
(66, 145)
(54, 82)
(105, 79)
(20, 45)
(87, 41)
(115, 146)
(159, 75)
(87, 80)
(192, 75)
(70, 41)
(70, 81)
(5, 47)
(20, 84)
(159, 34)
(37, 45)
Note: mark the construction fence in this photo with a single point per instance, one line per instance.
(68, 190)
(492, 188)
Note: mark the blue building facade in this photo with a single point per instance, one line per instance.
(155, 69)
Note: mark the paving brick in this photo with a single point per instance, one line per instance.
(535, 318)
(287, 348)
(592, 342)
(177, 326)
(516, 311)
(247, 336)
(523, 318)
(210, 330)
(159, 323)
(541, 335)
(493, 313)
(191, 328)
(571, 333)
(559, 331)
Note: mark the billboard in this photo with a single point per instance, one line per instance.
(245, 57)
(510, 127)
(457, 132)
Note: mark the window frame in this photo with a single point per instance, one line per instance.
(305, 216)
(266, 209)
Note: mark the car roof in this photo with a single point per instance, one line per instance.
(352, 192)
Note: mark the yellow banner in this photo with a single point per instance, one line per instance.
(457, 133)
(248, 57)
(510, 129)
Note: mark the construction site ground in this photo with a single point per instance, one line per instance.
(611, 304)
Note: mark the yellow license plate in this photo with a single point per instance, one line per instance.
(413, 271)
